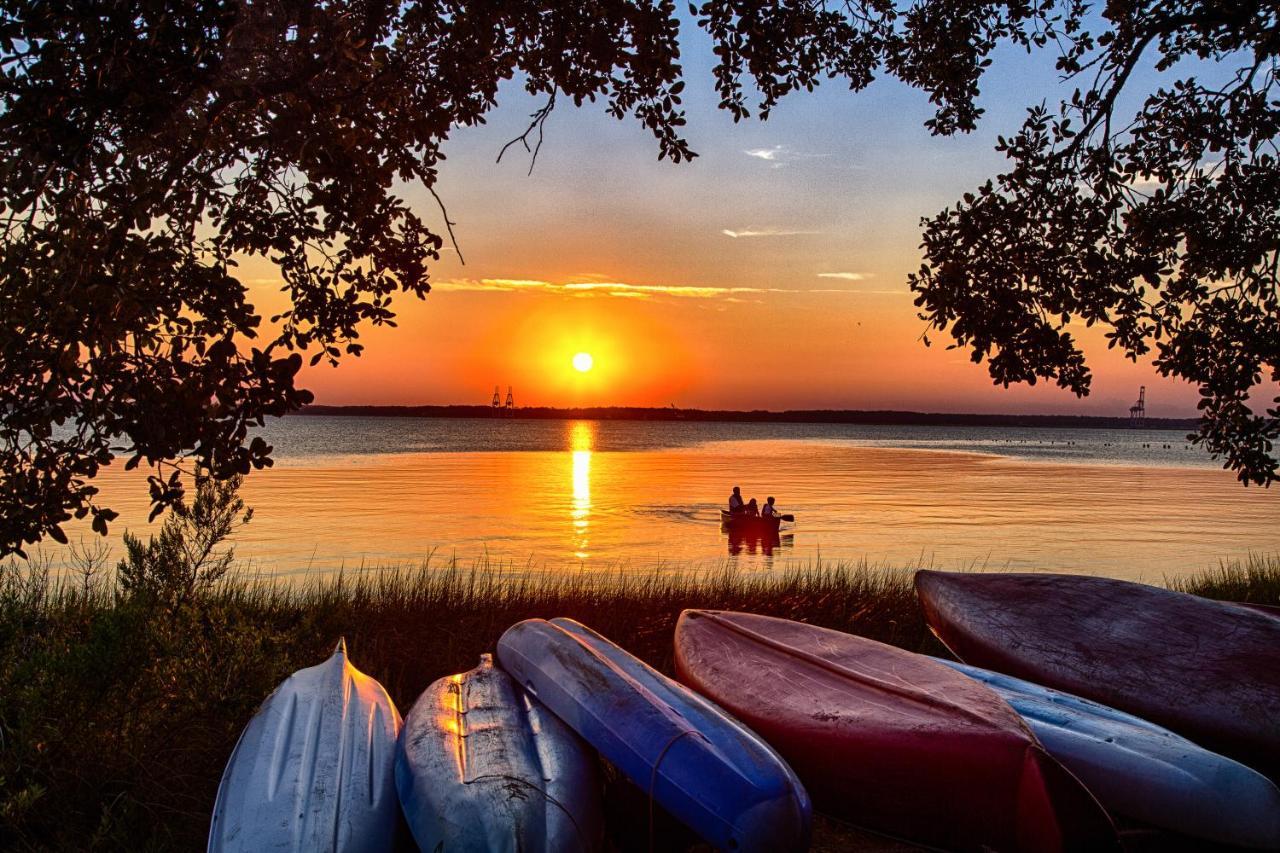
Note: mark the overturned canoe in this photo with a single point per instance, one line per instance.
(1142, 771)
(313, 770)
(703, 767)
(482, 768)
(1205, 669)
(887, 739)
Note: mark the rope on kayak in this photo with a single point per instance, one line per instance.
(653, 777)
(582, 839)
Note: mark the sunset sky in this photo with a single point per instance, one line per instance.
(768, 273)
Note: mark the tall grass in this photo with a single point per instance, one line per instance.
(118, 709)
(1255, 580)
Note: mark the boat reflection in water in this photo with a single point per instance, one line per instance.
(757, 541)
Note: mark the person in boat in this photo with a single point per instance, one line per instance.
(769, 510)
(753, 508)
(735, 501)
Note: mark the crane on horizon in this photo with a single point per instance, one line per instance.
(1138, 411)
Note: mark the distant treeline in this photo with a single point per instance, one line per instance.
(793, 416)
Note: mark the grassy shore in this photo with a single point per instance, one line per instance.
(118, 709)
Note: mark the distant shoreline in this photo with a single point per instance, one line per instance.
(790, 416)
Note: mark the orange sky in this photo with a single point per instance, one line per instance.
(768, 273)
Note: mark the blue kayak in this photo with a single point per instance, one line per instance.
(1143, 771)
(482, 768)
(701, 765)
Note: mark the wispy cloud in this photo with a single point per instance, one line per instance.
(778, 156)
(764, 232)
(624, 290)
(770, 154)
(847, 276)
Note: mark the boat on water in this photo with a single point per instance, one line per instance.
(888, 739)
(1206, 669)
(313, 770)
(1143, 771)
(745, 524)
(705, 768)
(481, 766)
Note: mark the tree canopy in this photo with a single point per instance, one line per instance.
(145, 147)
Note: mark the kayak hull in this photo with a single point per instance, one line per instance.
(1205, 669)
(1142, 771)
(887, 739)
(482, 768)
(313, 770)
(703, 767)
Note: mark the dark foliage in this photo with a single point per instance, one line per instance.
(145, 147)
(1163, 226)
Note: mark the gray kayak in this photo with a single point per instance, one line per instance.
(1140, 770)
(313, 770)
(481, 767)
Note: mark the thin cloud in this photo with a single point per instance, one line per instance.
(625, 290)
(764, 232)
(769, 154)
(847, 276)
(778, 156)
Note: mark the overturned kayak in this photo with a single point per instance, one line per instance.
(1142, 771)
(313, 770)
(890, 740)
(1206, 669)
(702, 766)
(483, 768)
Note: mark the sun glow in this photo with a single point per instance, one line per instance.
(582, 362)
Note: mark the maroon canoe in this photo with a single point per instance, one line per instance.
(888, 739)
(748, 525)
(1207, 669)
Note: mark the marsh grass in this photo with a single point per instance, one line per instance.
(118, 710)
(1255, 580)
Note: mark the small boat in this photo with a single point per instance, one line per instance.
(1142, 771)
(890, 740)
(1208, 670)
(702, 766)
(744, 524)
(482, 767)
(313, 770)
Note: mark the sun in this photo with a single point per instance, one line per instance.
(582, 362)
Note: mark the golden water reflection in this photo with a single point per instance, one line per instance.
(581, 440)
(638, 510)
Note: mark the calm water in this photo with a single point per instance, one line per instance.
(594, 496)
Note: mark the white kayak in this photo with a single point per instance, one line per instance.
(483, 768)
(1143, 771)
(314, 769)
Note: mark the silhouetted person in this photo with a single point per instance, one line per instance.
(735, 501)
(768, 510)
(753, 508)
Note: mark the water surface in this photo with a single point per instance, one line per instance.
(598, 496)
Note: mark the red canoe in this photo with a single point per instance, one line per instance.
(888, 739)
(1206, 669)
(748, 525)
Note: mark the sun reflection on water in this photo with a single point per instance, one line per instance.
(582, 436)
